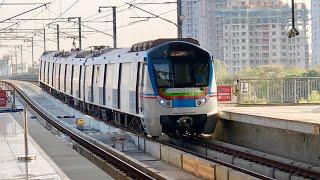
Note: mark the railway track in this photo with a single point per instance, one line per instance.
(289, 168)
(118, 163)
(292, 169)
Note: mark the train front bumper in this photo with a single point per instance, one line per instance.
(188, 124)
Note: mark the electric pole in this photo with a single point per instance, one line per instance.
(114, 12)
(179, 20)
(80, 42)
(114, 21)
(16, 56)
(44, 39)
(58, 39)
(32, 53)
(21, 57)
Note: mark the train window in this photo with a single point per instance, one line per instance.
(180, 74)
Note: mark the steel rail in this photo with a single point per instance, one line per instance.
(258, 159)
(125, 167)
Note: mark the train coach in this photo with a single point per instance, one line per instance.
(161, 86)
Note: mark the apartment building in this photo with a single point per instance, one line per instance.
(315, 23)
(251, 33)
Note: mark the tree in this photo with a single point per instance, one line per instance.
(220, 70)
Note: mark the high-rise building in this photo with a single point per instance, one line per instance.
(315, 18)
(250, 33)
(5, 66)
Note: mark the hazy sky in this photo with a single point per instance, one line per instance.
(128, 33)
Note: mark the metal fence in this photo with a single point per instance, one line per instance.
(279, 91)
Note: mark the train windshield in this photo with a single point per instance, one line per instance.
(181, 73)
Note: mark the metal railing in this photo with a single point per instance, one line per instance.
(279, 91)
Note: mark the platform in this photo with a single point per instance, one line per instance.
(302, 118)
(55, 158)
(12, 146)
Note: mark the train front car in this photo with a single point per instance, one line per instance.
(183, 82)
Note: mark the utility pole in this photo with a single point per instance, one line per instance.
(11, 64)
(32, 53)
(44, 39)
(21, 57)
(114, 12)
(58, 39)
(179, 20)
(16, 56)
(114, 21)
(80, 42)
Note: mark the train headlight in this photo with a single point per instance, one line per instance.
(201, 102)
(165, 103)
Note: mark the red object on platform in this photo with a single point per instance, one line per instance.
(224, 93)
(3, 98)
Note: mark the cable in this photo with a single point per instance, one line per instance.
(69, 8)
(2, 3)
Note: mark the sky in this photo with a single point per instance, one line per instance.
(128, 31)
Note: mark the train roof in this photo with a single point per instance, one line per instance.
(137, 52)
(146, 45)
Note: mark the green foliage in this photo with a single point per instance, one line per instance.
(220, 69)
(314, 97)
(262, 72)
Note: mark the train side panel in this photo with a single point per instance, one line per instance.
(88, 83)
(68, 79)
(97, 93)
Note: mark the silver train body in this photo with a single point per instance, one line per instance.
(162, 86)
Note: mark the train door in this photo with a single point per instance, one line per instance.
(96, 85)
(114, 70)
(127, 80)
(88, 82)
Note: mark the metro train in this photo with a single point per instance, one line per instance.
(160, 86)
